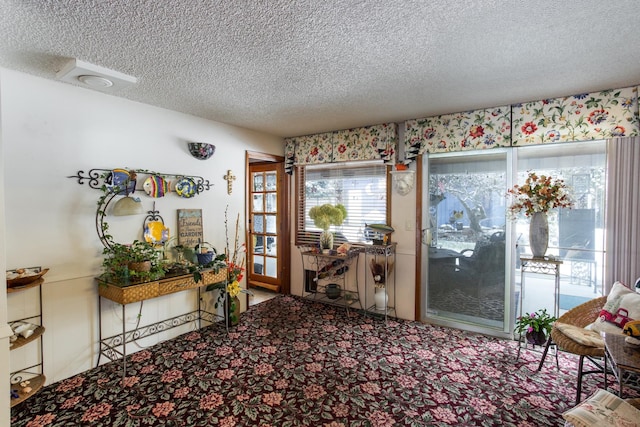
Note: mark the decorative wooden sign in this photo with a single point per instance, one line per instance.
(189, 227)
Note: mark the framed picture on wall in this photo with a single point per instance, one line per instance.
(189, 227)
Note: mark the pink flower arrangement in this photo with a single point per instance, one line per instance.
(536, 321)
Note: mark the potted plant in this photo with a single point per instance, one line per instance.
(205, 252)
(179, 263)
(324, 216)
(131, 263)
(536, 326)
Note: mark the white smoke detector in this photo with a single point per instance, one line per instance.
(93, 76)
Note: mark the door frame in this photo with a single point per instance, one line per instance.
(422, 173)
(284, 257)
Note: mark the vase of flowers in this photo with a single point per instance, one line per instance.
(539, 234)
(235, 272)
(324, 216)
(380, 272)
(381, 298)
(326, 241)
(232, 303)
(537, 196)
(536, 326)
(234, 262)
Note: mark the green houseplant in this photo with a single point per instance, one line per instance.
(324, 216)
(131, 263)
(536, 326)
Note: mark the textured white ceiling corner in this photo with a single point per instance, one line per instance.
(294, 68)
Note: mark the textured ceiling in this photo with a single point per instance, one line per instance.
(291, 68)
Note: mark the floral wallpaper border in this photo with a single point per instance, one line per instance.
(588, 116)
(597, 115)
(469, 130)
(365, 143)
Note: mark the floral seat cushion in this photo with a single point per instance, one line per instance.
(603, 409)
(581, 335)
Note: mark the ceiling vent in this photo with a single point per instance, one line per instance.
(93, 76)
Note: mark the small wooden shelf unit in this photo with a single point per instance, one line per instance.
(34, 374)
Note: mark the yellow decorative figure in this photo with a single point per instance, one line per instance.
(632, 329)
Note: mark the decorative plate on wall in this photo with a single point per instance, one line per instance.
(156, 186)
(123, 179)
(155, 232)
(186, 188)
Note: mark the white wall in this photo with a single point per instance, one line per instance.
(5, 330)
(51, 130)
(403, 219)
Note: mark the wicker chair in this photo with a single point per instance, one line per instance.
(634, 402)
(580, 316)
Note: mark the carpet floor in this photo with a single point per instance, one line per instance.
(293, 362)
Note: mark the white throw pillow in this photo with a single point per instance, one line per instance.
(621, 303)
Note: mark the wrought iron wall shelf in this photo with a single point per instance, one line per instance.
(123, 182)
(98, 178)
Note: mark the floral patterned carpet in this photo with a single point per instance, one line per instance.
(292, 362)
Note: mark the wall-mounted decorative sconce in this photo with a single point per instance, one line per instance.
(229, 177)
(201, 150)
(403, 181)
(127, 206)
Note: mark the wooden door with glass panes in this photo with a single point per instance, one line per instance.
(266, 222)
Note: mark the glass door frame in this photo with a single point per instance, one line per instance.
(509, 301)
(281, 283)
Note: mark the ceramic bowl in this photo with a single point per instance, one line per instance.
(333, 291)
(24, 276)
(201, 150)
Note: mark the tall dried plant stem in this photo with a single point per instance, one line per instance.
(235, 240)
(232, 256)
(226, 232)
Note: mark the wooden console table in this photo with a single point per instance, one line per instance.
(114, 347)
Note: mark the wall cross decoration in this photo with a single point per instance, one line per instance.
(230, 177)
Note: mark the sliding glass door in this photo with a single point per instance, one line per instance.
(470, 253)
(465, 239)
(576, 236)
